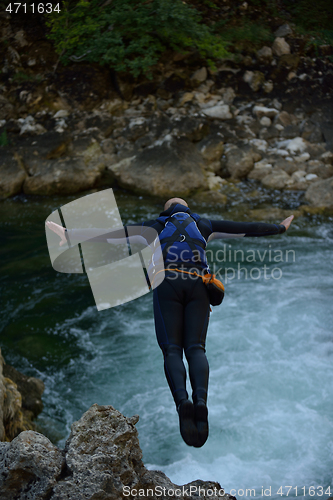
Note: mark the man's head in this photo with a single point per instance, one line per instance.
(173, 201)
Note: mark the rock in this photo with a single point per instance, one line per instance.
(289, 61)
(315, 150)
(193, 129)
(169, 167)
(261, 170)
(298, 144)
(302, 158)
(200, 75)
(276, 104)
(102, 456)
(108, 146)
(62, 113)
(12, 174)
(265, 121)
(6, 109)
(268, 133)
(320, 193)
(240, 162)
(283, 31)
(290, 131)
(102, 460)
(20, 401)
(228, 95)
(31, 389)
(321, 169)
(186, 97)
(221, 112)
(62, 176)
(268, 86)
(255, 79)
(28, 125)
(284, 119)
(311, 177)
(327, 158)
(276, 180)
(280, 47)
(214, 182)
(20, 38)
(288, 166)
(265, 55)
(136, 128)
(260, 111)
(313, 133)
(29, 467)
(211, 148)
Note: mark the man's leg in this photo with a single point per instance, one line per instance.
(168, 314)
(195, 327)
(196, 320)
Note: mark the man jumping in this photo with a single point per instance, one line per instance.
(181, 302)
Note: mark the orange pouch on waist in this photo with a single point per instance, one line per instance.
(215, 289)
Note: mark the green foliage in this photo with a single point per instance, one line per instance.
(130, 35)
(4, 138)
(245, 34)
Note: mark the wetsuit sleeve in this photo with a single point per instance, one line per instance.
(230, 229)
(116, 235)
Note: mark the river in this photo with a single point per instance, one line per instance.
(269, 345)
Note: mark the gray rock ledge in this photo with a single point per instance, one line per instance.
(102, 460)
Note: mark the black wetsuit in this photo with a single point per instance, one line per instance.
(181, 309)
(181, 304)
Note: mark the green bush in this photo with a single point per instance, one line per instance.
(244, 33)
(130, 35)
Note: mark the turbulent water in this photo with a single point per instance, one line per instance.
(270, 349)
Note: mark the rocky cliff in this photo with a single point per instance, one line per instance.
(102, 460)
(266, 118)
(20, 401)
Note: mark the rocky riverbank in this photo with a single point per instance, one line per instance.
(102, 460)
(191, 131)
(20, 401)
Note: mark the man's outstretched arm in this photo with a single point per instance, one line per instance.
(230, 229)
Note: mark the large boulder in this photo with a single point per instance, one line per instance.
(20, 401)
(102, 460)
(12, 174)
(320, 193)
(277, 179)
(102, 456)
(61, 176)
(211, 149)
(31, 389)
(29, 467)
(170, 167)
(240, 160)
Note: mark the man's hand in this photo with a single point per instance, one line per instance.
(286, 223)
(58, 230)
